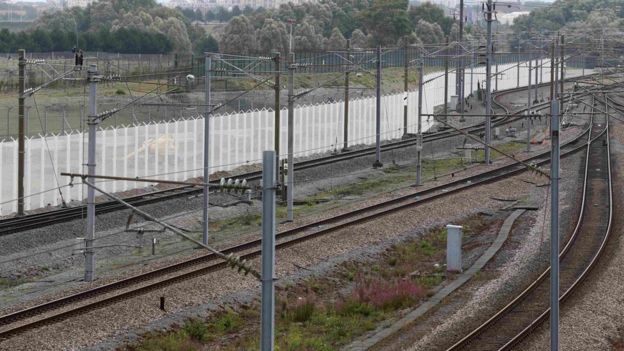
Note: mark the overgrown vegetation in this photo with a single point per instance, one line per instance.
(328, 312)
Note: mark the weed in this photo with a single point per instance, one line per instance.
(301, 311)
(427, 248)
(388, 295)
(228, 322)
(8, 283)
(196, 329)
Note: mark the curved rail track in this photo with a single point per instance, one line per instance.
(529, 309)
(107, 294)
(38, 220)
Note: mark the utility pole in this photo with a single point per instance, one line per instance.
(562, 78)
(556, 73)
(488, 80)
(535, 101)
(378, 163)
(496, 74)
(554, 218)
(472, 62)
(405, 89)
(207, 113)
(267, 314)
(345, 146)
(460, 71)
(20, 139)
(92, 123)
(446, 76)
(529, 113)
(290, 172)
(419, 138)
(277, 87)
(518, 71)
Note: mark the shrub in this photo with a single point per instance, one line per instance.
(228, 322)
(196, 329)
(120, 92)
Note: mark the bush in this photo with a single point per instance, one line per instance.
(120, 92)
(196, 329)
(228, 322)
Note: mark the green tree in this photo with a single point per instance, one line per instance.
(238, 37)
(336, 41)
(272, 37)
(387, 20)
(431, 13)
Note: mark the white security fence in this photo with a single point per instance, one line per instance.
(174, 150)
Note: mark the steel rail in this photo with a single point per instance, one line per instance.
(251, 248)
(520, 298)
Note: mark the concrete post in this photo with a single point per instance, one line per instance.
(454, 248)
(20, 139)
(419, 137)
(554, 209)
(377, 163)
(488, 84)
(528, 111)
(446, 74)
(277, 88)
(207, 113)
(267, 315)
(554, 227)
(92, 124)
(345, 146)
(290, 174)
(405, 88)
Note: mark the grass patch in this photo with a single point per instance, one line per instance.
(9, 283)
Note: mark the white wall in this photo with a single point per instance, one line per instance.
(174, 150)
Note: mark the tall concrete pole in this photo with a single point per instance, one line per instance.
(496, 74)
(535, 101)
(345, 146)
(554, 219)
(405, 88)
(277, 88)
(518, 67)
(419, 137)
(92, 124)
(461, 72)
(267, 313)
(446, 78)
(207, 113)
(488, 83)
(377, 163)
(529, 113)
(562, 78)
(20, 138)
(290, 181)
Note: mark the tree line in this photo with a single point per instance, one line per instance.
(326, 25)
(121, 40)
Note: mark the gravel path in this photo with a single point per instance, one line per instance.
(523, 256)
(592, 318)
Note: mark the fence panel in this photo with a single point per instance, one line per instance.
(174, 149)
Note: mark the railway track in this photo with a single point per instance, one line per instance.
(529, 309)
(79, 303)
(39, 220)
